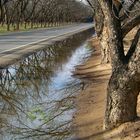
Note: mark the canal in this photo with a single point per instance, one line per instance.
(37, 93)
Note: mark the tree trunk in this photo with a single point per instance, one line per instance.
(32, 24)
(25, 25)
(8, 26)
(123, 87)
(122, 93)
(104, 41)
(17, 25)
(101, 28)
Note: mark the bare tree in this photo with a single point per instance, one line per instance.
(120, 17)
(36, 12)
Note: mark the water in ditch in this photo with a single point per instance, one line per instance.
(37, 94)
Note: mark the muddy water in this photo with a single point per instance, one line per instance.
(37, 94)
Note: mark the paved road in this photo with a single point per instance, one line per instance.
(16, 40)
(14, 46)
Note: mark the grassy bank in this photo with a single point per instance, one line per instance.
(27, 27)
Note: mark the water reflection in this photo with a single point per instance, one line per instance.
(37, 94)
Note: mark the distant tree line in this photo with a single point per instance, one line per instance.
(41, 12)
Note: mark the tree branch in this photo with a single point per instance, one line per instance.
(133, 45)
(130, 25)
(127, 11)
(90, 4)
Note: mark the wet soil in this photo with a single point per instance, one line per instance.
(88, 120)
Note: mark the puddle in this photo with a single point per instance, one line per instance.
(37, 94)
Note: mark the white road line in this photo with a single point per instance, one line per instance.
(28, 44)
(32, 43)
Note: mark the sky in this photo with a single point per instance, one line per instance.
(84, 1)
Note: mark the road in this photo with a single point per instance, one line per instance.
(20, 39)
(14, 45)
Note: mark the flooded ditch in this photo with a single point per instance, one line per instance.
(37, 93)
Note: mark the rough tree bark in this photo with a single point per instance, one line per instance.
(105, 50)
(123, 87)
(101, 30)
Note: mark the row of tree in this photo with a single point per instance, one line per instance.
(41, 12)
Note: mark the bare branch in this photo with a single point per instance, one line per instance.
(90, 4)
(127, 12)
(133, 45)
(130, 25)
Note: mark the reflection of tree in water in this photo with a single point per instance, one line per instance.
(24, 103)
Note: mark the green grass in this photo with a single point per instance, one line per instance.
(3, 28)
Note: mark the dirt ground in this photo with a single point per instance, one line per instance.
(88, 120)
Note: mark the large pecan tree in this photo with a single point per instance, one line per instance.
(114, 21)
